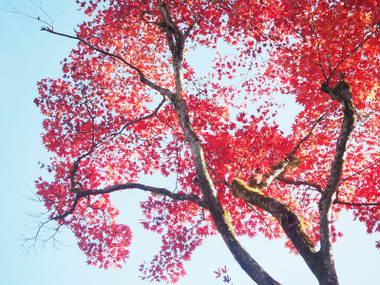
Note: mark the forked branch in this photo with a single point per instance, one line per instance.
(289, 220)
(81, 193)
(155, 190)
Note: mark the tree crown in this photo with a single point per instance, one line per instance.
(130, 102)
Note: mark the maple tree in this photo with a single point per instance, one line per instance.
(129, 103)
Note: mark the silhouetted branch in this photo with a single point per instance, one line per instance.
(300, 182)
(35, 15)
(360, 171)
(356, 204)
(143, 78)
(156, 190)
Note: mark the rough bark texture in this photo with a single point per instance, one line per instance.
(341, 93)
(222, 221)
(289, 221)
(321, 263)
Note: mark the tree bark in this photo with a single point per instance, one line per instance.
(343, 94)
(321, 263)
(221, 218)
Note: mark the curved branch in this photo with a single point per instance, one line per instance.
(69, 212)
(343, 94)
(289, 221)
(156, 190)
(80, 193)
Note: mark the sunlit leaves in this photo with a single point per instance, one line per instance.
(104, 126)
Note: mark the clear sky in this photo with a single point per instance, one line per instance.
(26, 56)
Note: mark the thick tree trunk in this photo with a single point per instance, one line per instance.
(221, 218)
(341, 93)
(321, 263)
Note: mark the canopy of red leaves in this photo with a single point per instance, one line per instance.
(108, 127)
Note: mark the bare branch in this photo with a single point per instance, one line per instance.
(156, 190)
(39, 236)
(35, 15)
(316, 123)
(298, 182)
(358, 172)
(356, 204)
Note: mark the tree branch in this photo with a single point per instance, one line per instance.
(49, 23)
(355, 49)
(343, 94)
(288, 220)
(81, 193)
(156, 190)
(316, 123)
(277, 171)
(143, 78)
(290, 160)
(74, 169)
(298, 182)
(220, 217)
(360, 171)
(356, 204)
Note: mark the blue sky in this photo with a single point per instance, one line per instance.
(27, 55)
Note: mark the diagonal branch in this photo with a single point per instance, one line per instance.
(288, 220)
(94, 145)
(355, 49)
(360, 171)
(276, 172)
(291, 160)
(143, 78)
(316, 123)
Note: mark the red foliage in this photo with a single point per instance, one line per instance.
(103, 125)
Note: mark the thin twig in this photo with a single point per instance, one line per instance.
(316, 186)
(316, 123)
(358, 172)
(356, 204)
